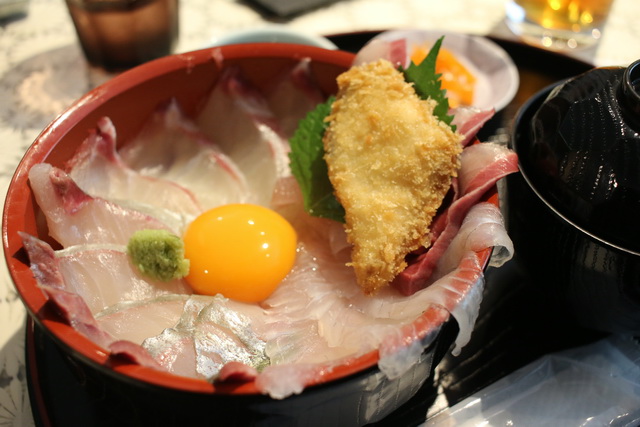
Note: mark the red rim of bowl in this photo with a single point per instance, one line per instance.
(18, 199)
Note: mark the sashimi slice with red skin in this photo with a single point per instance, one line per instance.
(75, 218)
(320, 289)
(171, 147)
(393, 50)
(469, 120)
(103, 277)
(483, 164)
(237, 372)
(237, 118)
(72, 307)
(292, 96)
(106, 276)
(482, 228)
(132, 352)
(151, 317)
(98, 170)
(329, 302)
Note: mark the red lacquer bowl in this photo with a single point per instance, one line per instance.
(354, 393)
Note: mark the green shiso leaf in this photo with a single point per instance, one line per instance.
(307, 149)
(426, 83)
(309, 167)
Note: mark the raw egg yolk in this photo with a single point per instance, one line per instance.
(241, 251)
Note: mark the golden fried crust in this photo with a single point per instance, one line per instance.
(390, 162)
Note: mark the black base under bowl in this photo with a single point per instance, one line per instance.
(58, 382)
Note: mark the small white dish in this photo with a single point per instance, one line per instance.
(273, 34)
(497, 78)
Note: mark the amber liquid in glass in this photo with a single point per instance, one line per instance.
(574, 15)
(120, 34)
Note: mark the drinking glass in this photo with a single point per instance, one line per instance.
(119, 34)
(558, 24)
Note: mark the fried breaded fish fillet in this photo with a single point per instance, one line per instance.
(391, 162)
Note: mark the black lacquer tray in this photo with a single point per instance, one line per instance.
(512, 329)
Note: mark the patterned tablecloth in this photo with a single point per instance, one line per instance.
(42, 71)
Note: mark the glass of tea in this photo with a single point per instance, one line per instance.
(558, 24)
(119, 34)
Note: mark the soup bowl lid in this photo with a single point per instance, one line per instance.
(581, 151)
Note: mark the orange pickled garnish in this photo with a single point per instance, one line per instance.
(456, 79)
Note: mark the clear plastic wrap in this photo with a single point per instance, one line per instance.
(593, 385)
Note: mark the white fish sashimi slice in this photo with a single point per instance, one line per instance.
(293, 95)
(175, 347)
(291, 343)
(98, 170)
(482, 228)
(469, 120)
(151, 317)
(458, 294)
(350, 323)
(280, 381)
(71, 306)
(105, 276)
(390, 45)
(313, 308)
(483, 164)
(219, 331)
(175, 351)
(223, 333)
(75, 218)
(316, 322)
(45, 268)
(237, 118)
(171, 147)
(215, 346)
(113, 328)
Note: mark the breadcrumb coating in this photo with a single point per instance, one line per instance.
(391, 162)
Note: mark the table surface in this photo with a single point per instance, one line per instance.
(42, 71)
